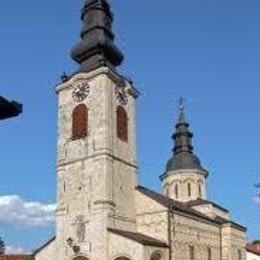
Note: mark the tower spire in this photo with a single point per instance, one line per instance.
(97, 47)
(185, 177)
(181, 111)
(183, 155)
(183, 136)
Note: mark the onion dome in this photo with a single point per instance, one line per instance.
(97, 47)
(183, 155)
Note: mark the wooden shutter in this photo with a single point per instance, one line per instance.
(122, 124)
(80, 122)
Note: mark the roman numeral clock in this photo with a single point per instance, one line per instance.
(81, 91)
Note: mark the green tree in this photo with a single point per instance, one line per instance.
(2, 246)
(257, 186)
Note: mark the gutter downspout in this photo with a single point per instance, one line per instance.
(221, 240)
(170, 216)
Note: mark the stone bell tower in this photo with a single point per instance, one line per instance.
(96, 165)
(184, 178)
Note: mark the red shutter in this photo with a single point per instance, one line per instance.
(80, 122)
(122, 124)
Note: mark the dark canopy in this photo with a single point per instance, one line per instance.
(9, 108)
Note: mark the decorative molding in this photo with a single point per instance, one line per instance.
(98, 155)
(119, 80)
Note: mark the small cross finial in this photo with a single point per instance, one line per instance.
(181, 109)
(64, 77)
(181, 104)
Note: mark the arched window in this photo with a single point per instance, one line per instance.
(209, 253)
(156, 256)
(191, 253)
(122, 258)
(122, 124)
(80, 258)
(239, 252)
(167, 190)
(200, 190)
(176, 191)
(189, 189)
(80, 122)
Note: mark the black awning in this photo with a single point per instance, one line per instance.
(9, 108)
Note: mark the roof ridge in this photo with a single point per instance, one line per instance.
(44, 245)
(205, 201)
(170, 203)
(252, 250)
(139, 237)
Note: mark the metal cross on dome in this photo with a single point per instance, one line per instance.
(181, 104)
(181, 109)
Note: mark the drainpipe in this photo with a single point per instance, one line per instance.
(221, 240)
(170, 216)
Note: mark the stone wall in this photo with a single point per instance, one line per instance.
(186, 231)
(48, 252)
(212, 211)
(201, 235)
(182, 178)
(96, 179)
(152, 218)
(233, 243)
(120, 246)
(96, 175)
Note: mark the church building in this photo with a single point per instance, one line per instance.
(102, 213)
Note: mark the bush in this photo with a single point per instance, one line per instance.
(2, 246)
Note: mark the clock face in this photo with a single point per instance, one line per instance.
(121, 95)
(80, 92)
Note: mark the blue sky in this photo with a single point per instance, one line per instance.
(206, 51)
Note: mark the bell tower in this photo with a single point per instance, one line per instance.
(96, 165)
(185, 178)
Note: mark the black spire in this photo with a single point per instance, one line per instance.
(182, 137)
(182, 118)
(97, 47)
(183, 156)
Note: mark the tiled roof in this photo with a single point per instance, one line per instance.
(173, 204)
(184, 207)
(13, 257)
(138, 237)
(43, 246)
(253, 248)
(232, 223)
(198, 202)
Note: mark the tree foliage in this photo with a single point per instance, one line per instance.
(2, 246)
(257, 186)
